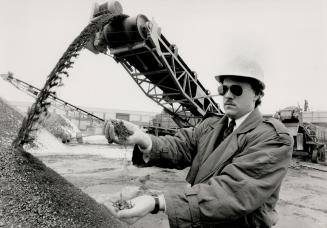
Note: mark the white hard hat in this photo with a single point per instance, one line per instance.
(242, 67)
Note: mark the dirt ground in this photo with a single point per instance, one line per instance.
(302, 204)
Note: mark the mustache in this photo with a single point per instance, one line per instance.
(229, 103)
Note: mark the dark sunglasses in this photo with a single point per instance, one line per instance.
(234, 89)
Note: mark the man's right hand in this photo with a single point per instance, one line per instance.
(137, 135)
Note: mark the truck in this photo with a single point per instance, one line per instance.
(309, 139)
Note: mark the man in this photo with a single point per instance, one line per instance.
(237, 162)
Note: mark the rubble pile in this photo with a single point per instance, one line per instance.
(33, 195)
(10, 121)
(60, 127)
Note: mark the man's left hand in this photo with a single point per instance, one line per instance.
(142, 206)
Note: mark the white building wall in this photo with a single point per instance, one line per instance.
(315, 117)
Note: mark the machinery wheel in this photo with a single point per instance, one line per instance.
(322, 154)
(314, 156)
(315, 139)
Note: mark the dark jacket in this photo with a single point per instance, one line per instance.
(233, 185)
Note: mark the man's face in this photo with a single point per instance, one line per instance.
(237, 106)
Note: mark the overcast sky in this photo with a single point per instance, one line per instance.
(288, 37)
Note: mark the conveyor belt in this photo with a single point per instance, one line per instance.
(155, 65)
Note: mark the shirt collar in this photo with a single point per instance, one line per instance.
(239, 120)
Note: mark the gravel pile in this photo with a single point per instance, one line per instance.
(33, 195)
(10, 121)
(60, 127)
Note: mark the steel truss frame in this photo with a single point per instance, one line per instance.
(166, 55)
(55, 101)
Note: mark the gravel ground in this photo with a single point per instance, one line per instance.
(302, 203)
(33, 195)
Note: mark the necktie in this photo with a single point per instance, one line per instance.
(229, 129)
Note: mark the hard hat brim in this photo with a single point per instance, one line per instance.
(220, 78)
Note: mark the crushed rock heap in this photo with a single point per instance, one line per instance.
(33, 195)
(60, 127)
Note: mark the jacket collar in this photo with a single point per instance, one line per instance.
(221, 122)
(251, 122)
